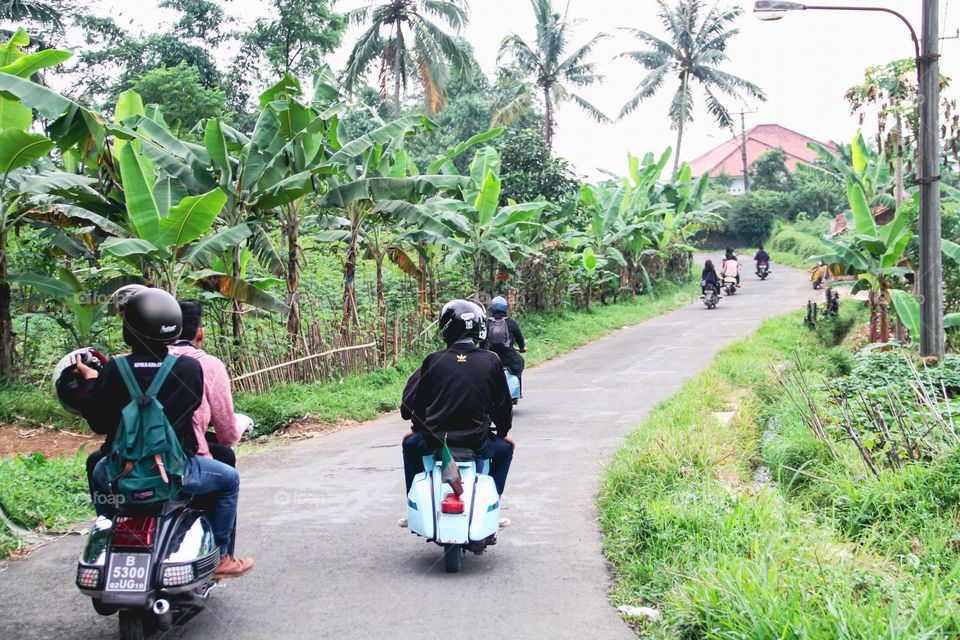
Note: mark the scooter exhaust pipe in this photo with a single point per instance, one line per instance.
(161, 609)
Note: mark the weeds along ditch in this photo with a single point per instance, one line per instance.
(827, 548)
(50, 495)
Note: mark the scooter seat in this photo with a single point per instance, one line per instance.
(459, 454)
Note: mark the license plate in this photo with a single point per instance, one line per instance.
(128, 572)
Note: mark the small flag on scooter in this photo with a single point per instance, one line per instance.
(451, 472)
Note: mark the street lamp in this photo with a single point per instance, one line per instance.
(927, 56)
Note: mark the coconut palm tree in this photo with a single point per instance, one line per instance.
(404, 38)
(545, 67)
(692, 53)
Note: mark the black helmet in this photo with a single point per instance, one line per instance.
(461, 319)
(151, 317)
(118, 299)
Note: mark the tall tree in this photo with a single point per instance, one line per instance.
(405, 39)
(37, 15)
(692, 53)
(294, 40)
(545, 67)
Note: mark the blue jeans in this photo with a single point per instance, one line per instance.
(206, 476)
(497, 450)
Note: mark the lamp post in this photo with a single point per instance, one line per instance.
(927, 56)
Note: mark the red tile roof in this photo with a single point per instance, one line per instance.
(727, 159)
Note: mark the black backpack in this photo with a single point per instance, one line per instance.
(498, 333)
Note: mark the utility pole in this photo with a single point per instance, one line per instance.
(743, 149)
(930, 277)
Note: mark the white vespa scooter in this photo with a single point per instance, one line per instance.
(467, 522)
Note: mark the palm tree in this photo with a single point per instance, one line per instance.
(546, 69)
(695, 50)
(406, 41)
(31, 12)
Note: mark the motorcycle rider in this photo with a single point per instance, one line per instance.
(456, 394)
(730, 267)
(216, 406)
(709, 277)
(503, 333)
(151, 321)
(761, 257)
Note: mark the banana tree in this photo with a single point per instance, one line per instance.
(20, 150)
(874, 253)
(908, 308)
(475, 226)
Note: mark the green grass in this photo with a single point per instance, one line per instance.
(42, 494)
(831, 554)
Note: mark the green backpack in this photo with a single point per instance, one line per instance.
(147, 463)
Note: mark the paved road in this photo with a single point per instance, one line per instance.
(320, 516)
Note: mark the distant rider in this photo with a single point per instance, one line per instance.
(151, 321)
(456, 394)
(709, 277)
(730, 268)
(762, 257)
(504, 337)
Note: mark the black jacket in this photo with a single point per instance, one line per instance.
(458, 392)
(106, 396)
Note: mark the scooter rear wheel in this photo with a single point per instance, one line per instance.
(131, 625)
(452, 557)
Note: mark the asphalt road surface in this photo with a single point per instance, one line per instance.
(320, 516)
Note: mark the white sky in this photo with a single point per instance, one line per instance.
(805, 63)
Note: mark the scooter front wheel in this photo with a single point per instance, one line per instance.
(452, 557)
(131, 625)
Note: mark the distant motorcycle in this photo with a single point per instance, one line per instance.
(513, 383)
(763, 270)
(710, 297)
(730, 285)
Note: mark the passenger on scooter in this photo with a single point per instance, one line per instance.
(762, 257)
(503, 333)
(151, 321)
(709, 278)
(216, 407)
(730, 268)
(455, 396)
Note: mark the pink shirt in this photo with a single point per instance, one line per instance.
(216, 406)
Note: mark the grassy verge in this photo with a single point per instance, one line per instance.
(820, 553)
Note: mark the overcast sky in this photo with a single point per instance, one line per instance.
(805, 63)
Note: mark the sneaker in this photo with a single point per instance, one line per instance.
(231, 567)
(504, 522)
(403, 522)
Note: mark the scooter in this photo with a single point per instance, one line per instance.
(152, 566)
(468, 522)
(763, 270)
(710, 297)
(730, 285)
(513, 382)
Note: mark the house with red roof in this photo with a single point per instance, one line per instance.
(727, 159)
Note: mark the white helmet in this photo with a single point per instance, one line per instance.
(67, 382)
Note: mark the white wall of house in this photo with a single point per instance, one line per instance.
(736, 186)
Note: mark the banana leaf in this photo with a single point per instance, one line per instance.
(239, 290)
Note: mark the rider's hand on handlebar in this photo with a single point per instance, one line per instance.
(87, 373)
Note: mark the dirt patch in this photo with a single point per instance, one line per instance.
(17, 439)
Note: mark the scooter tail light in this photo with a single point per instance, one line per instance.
(88, 577)
(134, 532)
(452, 504)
